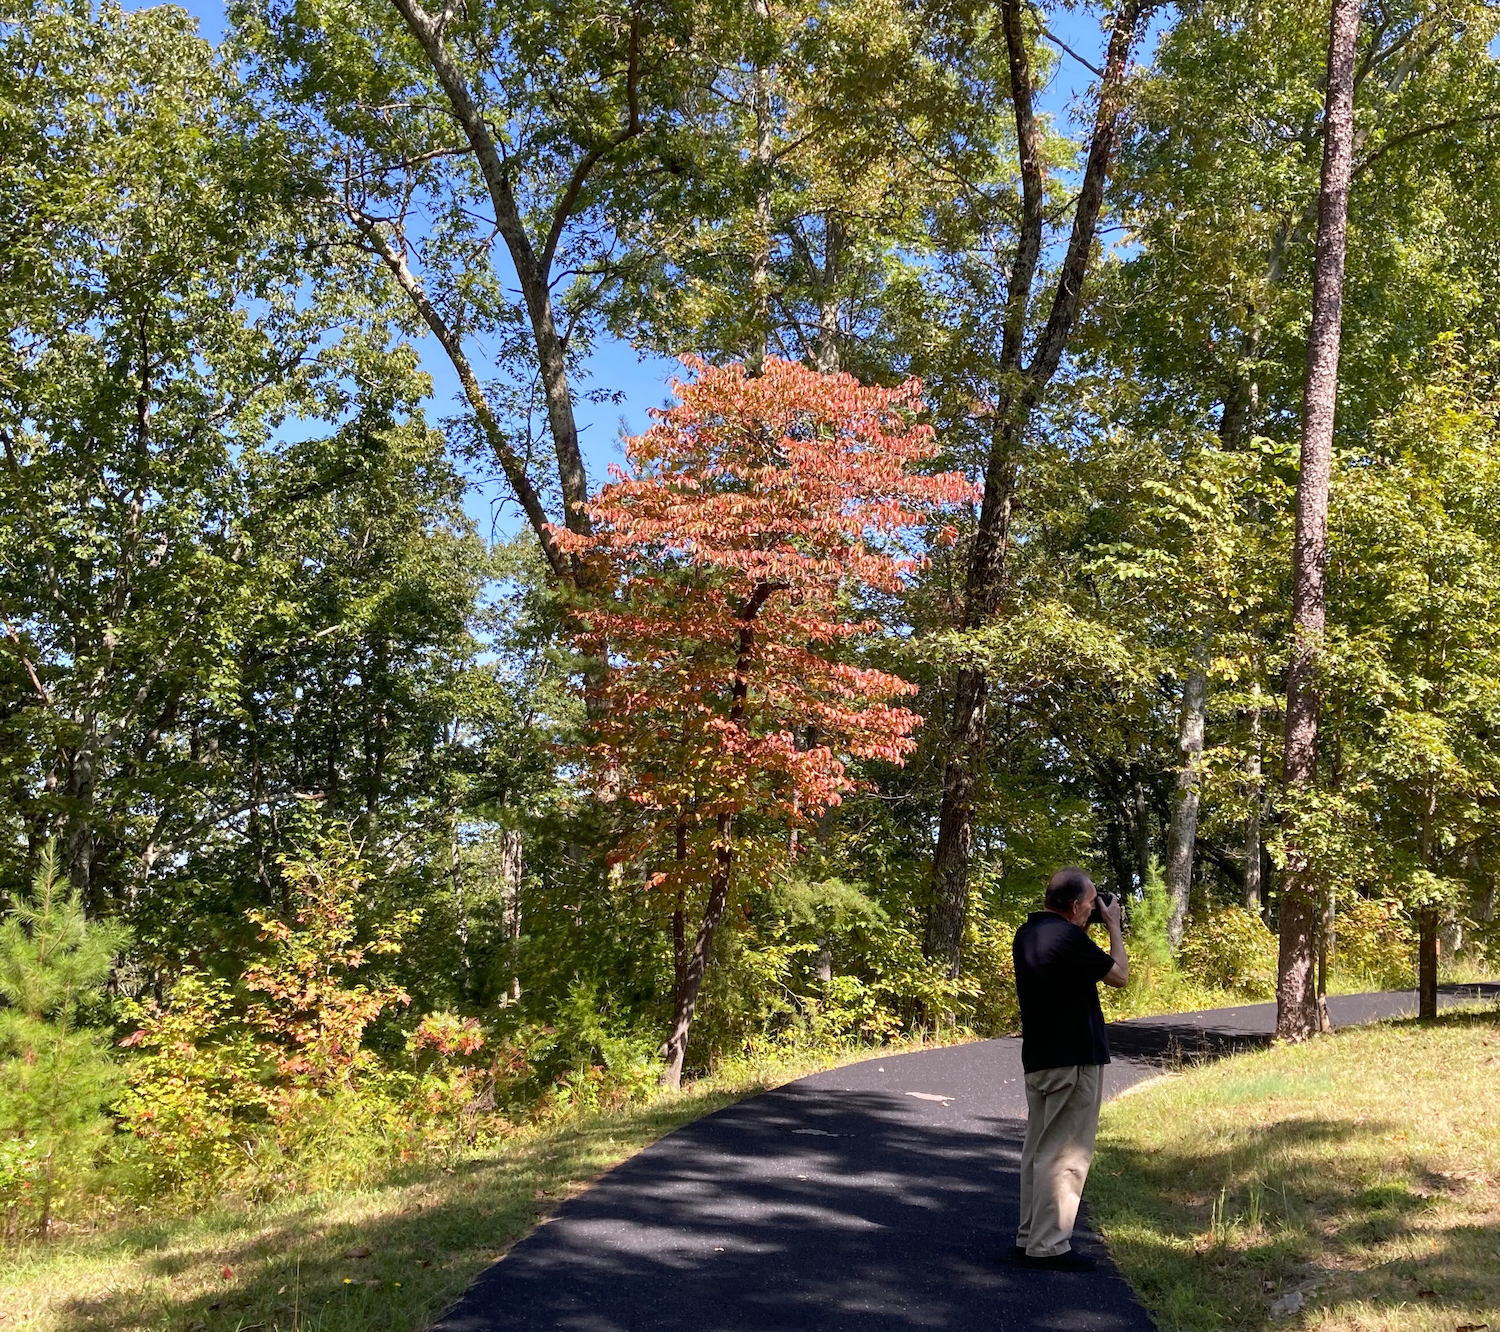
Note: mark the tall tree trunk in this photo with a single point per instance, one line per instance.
(1020, 389)
(692, 981)
(460, 909)
(1183, 830)
(1325, 949)
(679, 919)
(1296, 999)
(760, 272)
(827, 349)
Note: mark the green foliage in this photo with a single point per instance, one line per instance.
(56, 1075)
(583, 1061)
(1374, 942)
(1230, 949)
(1149, 934)
(196, 1100)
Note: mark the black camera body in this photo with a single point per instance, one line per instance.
(1096, 916)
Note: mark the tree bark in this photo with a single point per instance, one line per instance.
(686, 1000)
(1140, 825)
(1183, 830)
(1253, 891)
(533, 268)
(1296, 998)
(692, 983)
(760, 272)
(1020, 390)
(1427, 962)
(512, 871)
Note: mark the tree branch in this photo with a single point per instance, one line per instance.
(510, 464)
(1028, 143)
(1069, 294)
(530, 271)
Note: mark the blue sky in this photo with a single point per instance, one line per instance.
(617, 366)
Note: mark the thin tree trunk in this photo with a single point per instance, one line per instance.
(1183, 830)
(1253, 892)
(718, 887)
(679, 920)
(713, 913)
(1140, 825)
(460, 911)
(1427, 962)
(760, 273)
(1325, 949)
(512, 870)
(828, 301)
(950, 867)
(1020, 389)
(1296, 998)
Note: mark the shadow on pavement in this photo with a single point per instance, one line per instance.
(879, 1197)
(800, 1209)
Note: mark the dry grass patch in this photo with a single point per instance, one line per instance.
(1347, 1185)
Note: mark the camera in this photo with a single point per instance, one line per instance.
(1096, 916)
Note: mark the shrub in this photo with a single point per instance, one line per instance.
(313, 1017)
(285, 1091)
(449, 1091)
(196, 1099)
(1230, 949)
(583, 1062)
(1374, 943)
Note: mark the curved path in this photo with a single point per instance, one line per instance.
(880, 1197)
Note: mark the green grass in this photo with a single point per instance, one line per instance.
(388, 1257)
(1360, 1172)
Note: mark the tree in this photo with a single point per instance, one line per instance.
(55, 1071)
(1297, 1010)
(236, 579)
(846, 130)
(758, 509)
(444, 137)
(1015, 391)
(1409, 671)
(1205, 321)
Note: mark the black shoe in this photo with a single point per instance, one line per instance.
(1020, 1253)
(1068, 1261)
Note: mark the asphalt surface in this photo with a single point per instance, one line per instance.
(880, 1197)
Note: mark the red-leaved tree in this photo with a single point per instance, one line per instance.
(755, 512)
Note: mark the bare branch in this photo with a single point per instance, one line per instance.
(512, 466)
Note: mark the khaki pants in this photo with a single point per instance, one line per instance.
(1062, 1107)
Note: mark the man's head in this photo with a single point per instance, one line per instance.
(1070, 893)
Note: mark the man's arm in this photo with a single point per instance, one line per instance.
(1119, 974)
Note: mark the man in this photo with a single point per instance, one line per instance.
(1063, 1050)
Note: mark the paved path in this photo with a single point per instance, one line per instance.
(880, 1197)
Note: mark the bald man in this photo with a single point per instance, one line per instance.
(1063, 1051)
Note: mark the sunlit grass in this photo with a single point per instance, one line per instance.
(387, 1257)
(1352, 1183)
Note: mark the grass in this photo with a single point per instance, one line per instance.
(389, 1256)
(1348, 1185)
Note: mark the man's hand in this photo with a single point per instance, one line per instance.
(1119, 974)
(1113, 913)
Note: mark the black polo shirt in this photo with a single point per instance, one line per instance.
(1058, 970)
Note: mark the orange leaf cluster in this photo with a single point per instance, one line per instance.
(754, 513)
